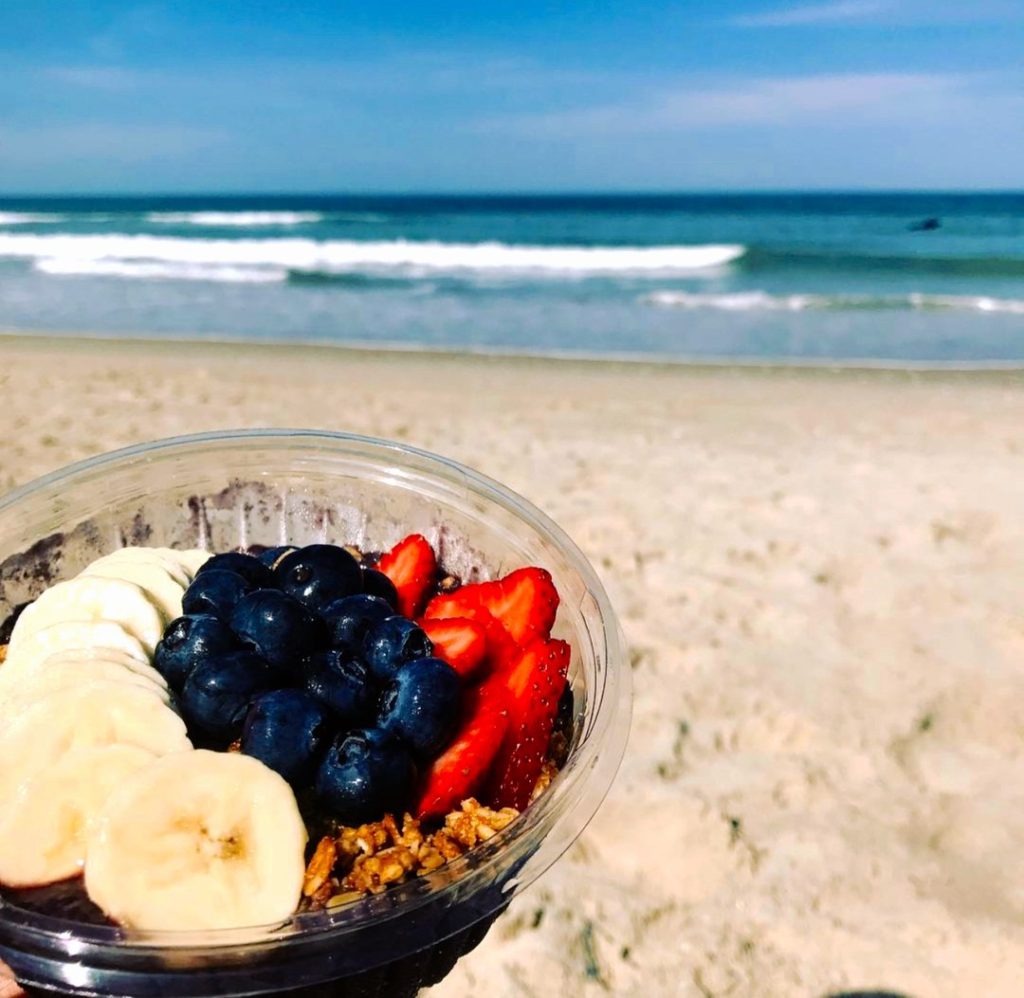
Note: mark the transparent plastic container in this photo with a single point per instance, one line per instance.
(232, 489)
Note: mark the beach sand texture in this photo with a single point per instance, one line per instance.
(820, 576)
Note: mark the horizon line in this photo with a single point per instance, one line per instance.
(512, 194)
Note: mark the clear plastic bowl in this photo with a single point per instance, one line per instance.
(225, 490)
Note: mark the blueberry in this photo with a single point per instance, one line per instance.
(391, 643)
(288, 731)
(421, 705)
(279, 627)
(218, 692)
(186, 642)
(364, 776)
(341, 683)
(215, 592)
(378, 584)
(350, 618)
(249, 568)
(319, 574)
(271, 556)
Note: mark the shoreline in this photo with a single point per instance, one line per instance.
(89, 342)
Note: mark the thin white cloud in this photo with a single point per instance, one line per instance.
(837, 12)
(839, 100)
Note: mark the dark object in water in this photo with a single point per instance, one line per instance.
(925, 225)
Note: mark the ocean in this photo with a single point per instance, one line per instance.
(890, 278)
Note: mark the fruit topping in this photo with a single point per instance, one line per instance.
(258, 575)
(461, 642)
(198, 840)
(524, 602)
(391, 643)
(420, 705)
(313, 670)
(279, 628)
(412, 567)
(319, 574)
(43, 829)
(215, 593)
(376, 583)
(219, 690)
(271, 556)
(460, 770)
(349, 619)
(534, 684)
(342, 683)
(288, 731)
(365, 774)
(188, 641)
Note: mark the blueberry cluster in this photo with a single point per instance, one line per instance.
(300, 654)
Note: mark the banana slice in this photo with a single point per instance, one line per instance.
(198, 840)
(84, 657)
(149, 556)
(91, 714)
(72, 635)
(93, 599)
(21, 691)
(44, 828)
(151, 577)
(190, 559)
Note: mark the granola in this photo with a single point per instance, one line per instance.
(368, 858)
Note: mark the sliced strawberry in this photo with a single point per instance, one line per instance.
(461, 642)
(524, 601)
(501, 649)
(534, 683)
(460, 770)
(412, 567)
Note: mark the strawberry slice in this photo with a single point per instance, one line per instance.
(534, 683)
(524, 602)
(501, 650)
(458, 772)
(461, 642)
(412, 567)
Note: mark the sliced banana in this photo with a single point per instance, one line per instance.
(190, 559)
(19, 692)
(43, 829)
(151, 577)
(150, 556)
(198, 840)
(72, 635)
(91, 714)
(88, 598)
(86, 656)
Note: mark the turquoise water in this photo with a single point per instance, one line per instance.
(838, 276)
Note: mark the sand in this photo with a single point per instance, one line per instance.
(820, 575)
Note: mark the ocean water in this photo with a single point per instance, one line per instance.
(781, 277)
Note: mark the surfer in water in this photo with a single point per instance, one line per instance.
(925, 225)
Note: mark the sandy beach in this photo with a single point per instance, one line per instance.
(820, 575)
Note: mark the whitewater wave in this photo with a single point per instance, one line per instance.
(28, 218)
(157, 270)
(242, 219)
(753, 301)
(413, 259)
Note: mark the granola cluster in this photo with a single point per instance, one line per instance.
(369, 858)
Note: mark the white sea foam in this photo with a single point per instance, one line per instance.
(752, 301)
(155, 270)
(28, 218)
(243, 219)
(344, 256)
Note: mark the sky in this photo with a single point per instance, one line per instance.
(340, 96)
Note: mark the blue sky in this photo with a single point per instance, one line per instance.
(635, 95)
